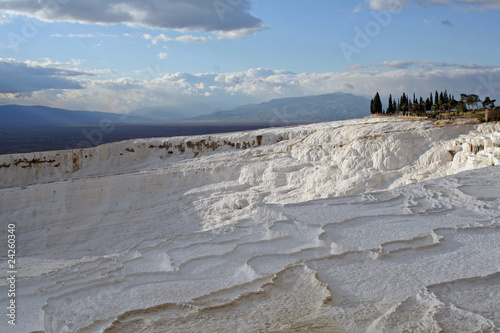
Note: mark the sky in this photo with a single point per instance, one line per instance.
(198, 56)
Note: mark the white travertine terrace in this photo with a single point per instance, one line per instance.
(377, 225)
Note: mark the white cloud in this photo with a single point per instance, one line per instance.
(100, 34)
(58, 35)
(183, 39)
(480, 4)
(475, 4)
(190, 15)
(358, 8)
(391, 5)
(162, 55)
(47, 62)
(72, 65)
(400, 64)
(88, 35)
(80, 35)
(26, 77)
(239, 33)
(161, 37)
(5, 18)
(192, 39)
(205, 92)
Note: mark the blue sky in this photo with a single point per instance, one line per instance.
(203, 55)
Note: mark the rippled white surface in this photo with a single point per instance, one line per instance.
(200, 235)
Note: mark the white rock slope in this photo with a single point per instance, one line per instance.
(219, 233)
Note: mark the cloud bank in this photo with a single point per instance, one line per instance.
(18, 77)
(401, 64)
(222, 16)
(205, 92)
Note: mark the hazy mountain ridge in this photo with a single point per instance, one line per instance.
(160, 113)
(43, 115)
(327, 107)
(309, 109)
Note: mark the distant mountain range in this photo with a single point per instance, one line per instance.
(43, 115)
(161, 114)
(329, 107)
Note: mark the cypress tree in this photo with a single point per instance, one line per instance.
(372, 110)
(390, 108)
(404, 101)
(377, 104)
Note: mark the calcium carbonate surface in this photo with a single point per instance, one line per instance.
(376, 225)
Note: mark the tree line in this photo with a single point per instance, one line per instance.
(437, 102)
